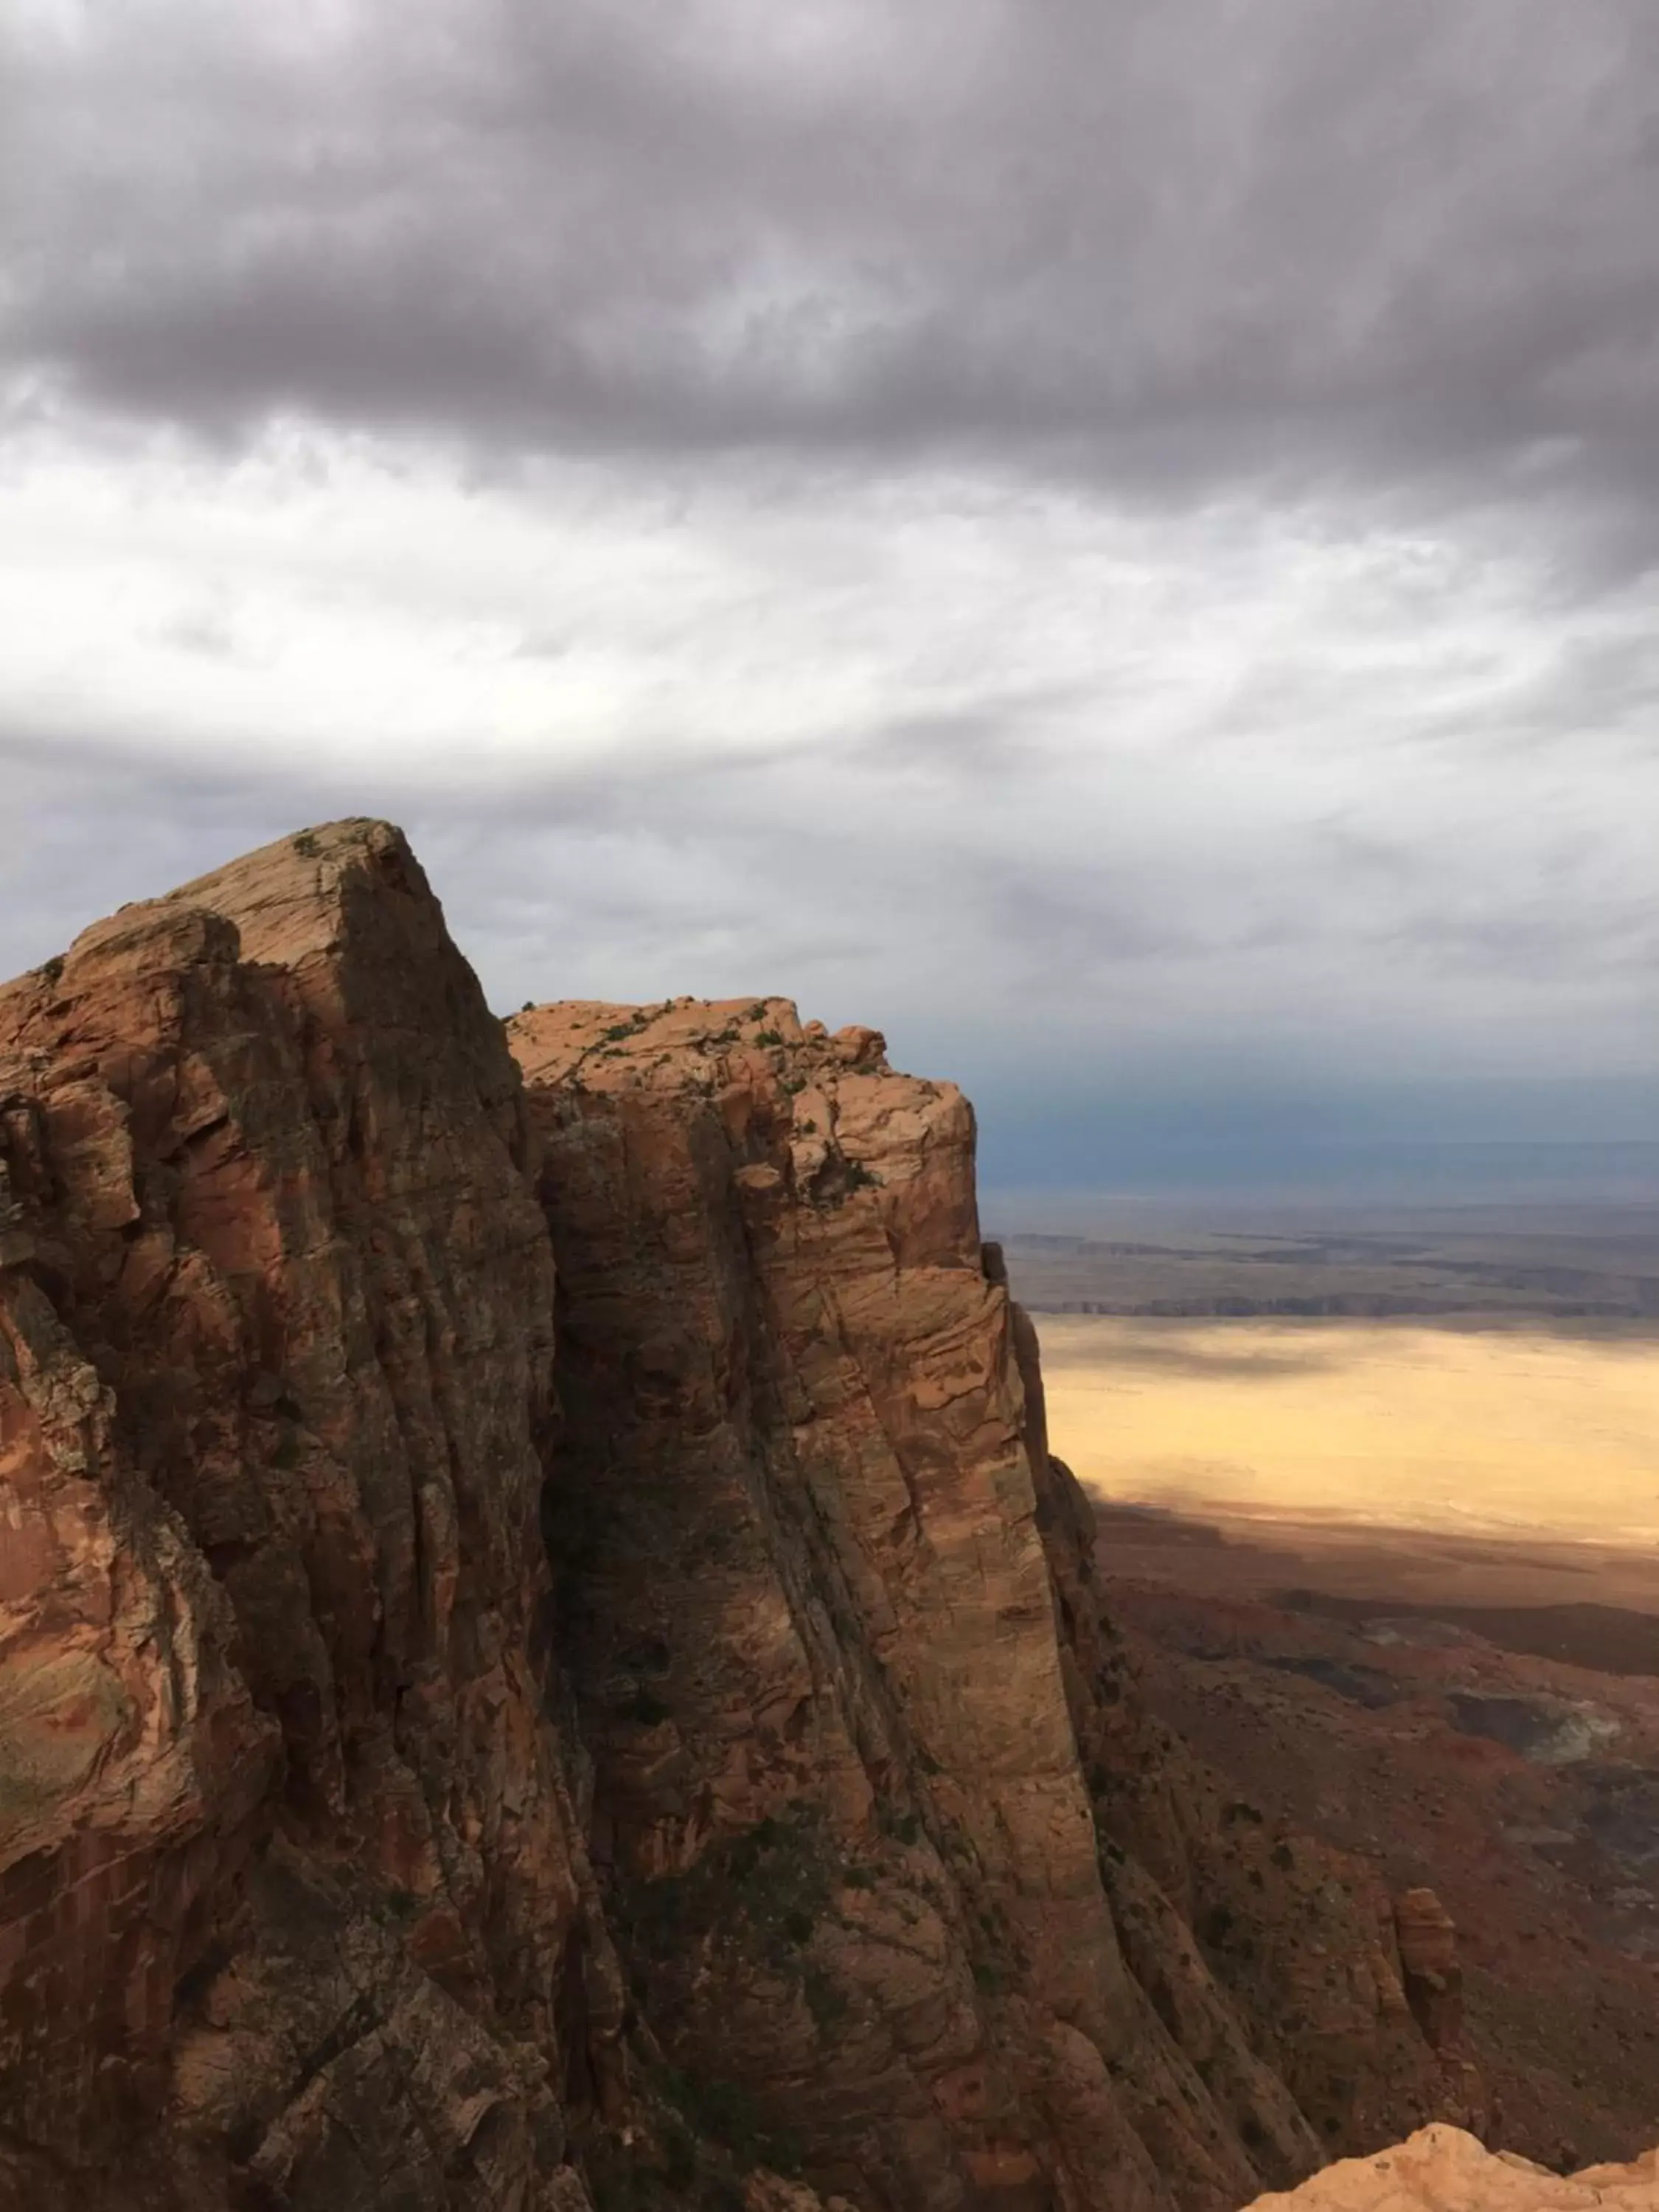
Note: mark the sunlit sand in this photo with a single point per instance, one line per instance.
(1508, 1433)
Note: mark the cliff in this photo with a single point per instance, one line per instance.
(293, 1889)
(544, 1656)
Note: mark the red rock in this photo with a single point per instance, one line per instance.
(418, 1790)
(1428, 1957)
(838, 1592)
(290, 1881)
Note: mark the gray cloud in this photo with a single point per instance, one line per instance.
(1156, 245)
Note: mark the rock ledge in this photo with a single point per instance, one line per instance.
(1442, 2169)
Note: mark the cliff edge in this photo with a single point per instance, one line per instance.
(544, 1658)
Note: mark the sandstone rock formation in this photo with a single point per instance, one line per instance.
(829, 1588)
(293, 1891)
(421, 1786)
(1429, 1963)
(1442, 2169)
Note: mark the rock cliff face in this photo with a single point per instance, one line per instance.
(543, 1657)
(293, 1889)
(891, 1844)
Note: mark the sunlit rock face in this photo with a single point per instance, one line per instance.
(482, 1735)
(1443, 2169)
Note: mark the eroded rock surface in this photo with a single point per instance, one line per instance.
(292, 1892)
(1442, 2169)
(711, 1778)
(891, 1842)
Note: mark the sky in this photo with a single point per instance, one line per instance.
(1115, 540)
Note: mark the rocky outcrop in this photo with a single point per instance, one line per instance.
(812, 1632)
(482, 1735)
(1429, 1963)
(1442, 2169)
(893, 1846)
(293, 1895)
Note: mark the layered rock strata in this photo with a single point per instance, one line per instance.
(423, 1787)
(292, 1892)
(892, 1844)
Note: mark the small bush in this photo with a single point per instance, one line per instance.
(679, 2156)
(825, 2000)
(726, 2114)
(1216, 1925)
(305, 846)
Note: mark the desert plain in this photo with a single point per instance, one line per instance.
(1463, 1404)
(1378, 1510)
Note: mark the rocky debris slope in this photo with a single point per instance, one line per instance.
(1390, 1738)
(420, 1789)
(1441, 2169)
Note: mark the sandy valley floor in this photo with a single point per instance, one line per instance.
(1399, 1580)
(1503, 1433)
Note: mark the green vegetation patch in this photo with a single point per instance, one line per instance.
(765, 1891)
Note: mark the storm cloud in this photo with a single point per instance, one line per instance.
(1171, 241)
(1118, 541)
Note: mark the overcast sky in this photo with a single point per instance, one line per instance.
(1116, 539)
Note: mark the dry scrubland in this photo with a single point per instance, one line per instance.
(1379, 1510)
(1507, 1433)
